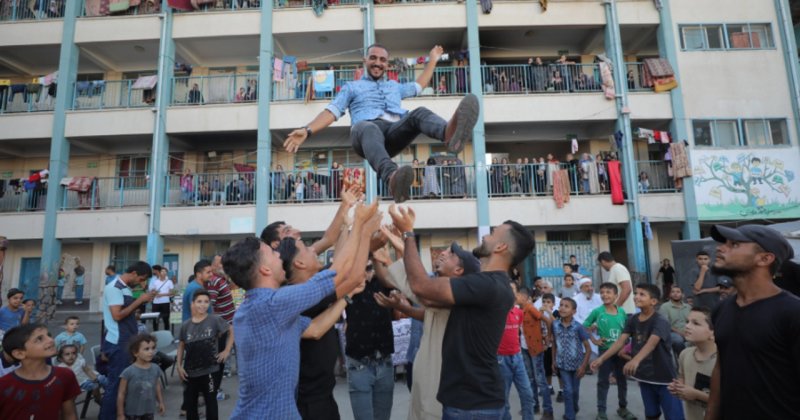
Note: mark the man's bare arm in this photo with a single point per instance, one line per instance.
(298, 136)
(425, 78)
(324, 321)
(714, 407)
(332, 233)
(625, 290)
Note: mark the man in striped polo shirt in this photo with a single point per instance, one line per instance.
(222, 301)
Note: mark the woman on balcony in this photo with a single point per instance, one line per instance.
(187, 187)
(430, 186)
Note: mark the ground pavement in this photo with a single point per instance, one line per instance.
(90, 327)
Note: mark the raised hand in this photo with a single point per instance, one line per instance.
(403, 217)
(295, 139)
(382, 256)
(364, 212)
(351, 196)
(436, 53)
(377, 240)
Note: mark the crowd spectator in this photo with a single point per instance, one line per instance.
(430, 186)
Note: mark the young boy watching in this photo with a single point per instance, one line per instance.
(23, 389)
(609, 321)
(71, 334)
(571, 352)
(14, 313)
(696, 365)
(652, 363)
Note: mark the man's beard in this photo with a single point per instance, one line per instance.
(723, 271)
(482, 251)
(588, 294)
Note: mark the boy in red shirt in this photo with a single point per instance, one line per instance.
(512, 366)
(23, 389)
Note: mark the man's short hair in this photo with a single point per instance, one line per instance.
(573, 256)
(548, 296)
(111, 267)
(72, 318)
(706, 314)
(137, 341)
(288, 250)
(272, 232)
(156, 268)
(571, 302)
(13, 292)
(201, 265)
(610, 286)
(523, 242)
(375, 45)
(701, 253)
(651, 290)
(605, 256)
(141, 268)
(16, 337)
(200, 292)
(241, 261)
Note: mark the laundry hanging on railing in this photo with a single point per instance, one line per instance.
(615, 181)
(653, 136)
(324, 81)
(78, 183)
(658, 73)
(681, 167)
(90, 88)
(145, 82)
(561, 188)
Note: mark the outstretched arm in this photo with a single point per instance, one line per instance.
(298, 136)
(425, 78)
(349, 198)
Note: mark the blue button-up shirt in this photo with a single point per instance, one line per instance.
(267, 329)
(369, 99)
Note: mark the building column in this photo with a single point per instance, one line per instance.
(633, 232)
(789, 51)
(479, 133)
(264, 135)
(59, 147)
(667, 39)
(368, 12)
(159, 158)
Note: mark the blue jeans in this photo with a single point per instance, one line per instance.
(451, 413)
(371, 384)
(537, 363)
(526, 358)
(118, 360)
(656, 398)
(512, 369)
(59, 292)
(614, 364)
(78, 293)
(571, 391)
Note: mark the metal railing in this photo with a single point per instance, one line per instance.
(92, 8)
(209, 189)
(16, 10)
(296, 88)
(116, 192)
(101, 94)
(288, 4)
(216, 89)
(16, 198)
(653, 176)
(524, 78)
(25, 97)
(218, 5)
(634, 76)
(536, 179)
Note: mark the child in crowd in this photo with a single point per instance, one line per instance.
(571, 352)
(548, 317)
(535, 330)
(199, 338)
(652, 362)
(569, 289)
(299, 190)
(696, 364)
(70, 358)
(28, 304)
(139, 385)
(609, 321)
(36, 390)
(71, 334)
(14, 313)
(644, 182)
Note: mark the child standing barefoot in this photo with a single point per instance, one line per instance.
(139, 387)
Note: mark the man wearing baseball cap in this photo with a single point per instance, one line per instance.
(757, 330)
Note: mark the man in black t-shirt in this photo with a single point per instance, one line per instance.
(470, 378)
(757, 375)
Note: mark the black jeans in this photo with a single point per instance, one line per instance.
(321, 409)
(379, 140)
(163, 310)
(194, 388)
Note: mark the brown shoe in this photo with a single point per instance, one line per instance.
(547, 416)
(459, 128)
(400, 183)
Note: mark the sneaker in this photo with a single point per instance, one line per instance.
(547, 416)
(552, 391)
(625, 414)
(221, 396)
(560, 397)
(400, 183)
(459, 128)
(601, 416)
(536, 410)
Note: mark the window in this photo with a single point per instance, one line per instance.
(123, 255)
(702, 37)
(765, 132)
(208, 249)
(176, 163)
(132, 171)
(726, 36)
(569, 236)
(731, 133)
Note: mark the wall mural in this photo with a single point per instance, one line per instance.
(746, 184)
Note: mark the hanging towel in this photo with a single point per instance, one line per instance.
(594, 178)
(663, 137)
(614, 176)
(145, 82)
(644, 133)
(78, 183)
(561, 187)
(116, 6)
(680, 161)
(648, 231)
(277, 69)
(618, 139)
(574, 146)
(608, 80)
(50, 78)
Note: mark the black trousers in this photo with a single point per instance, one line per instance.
(163, 310)
(322, 409)
(201, 385)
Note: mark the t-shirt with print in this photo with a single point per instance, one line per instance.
(609, 326)
(569, 344)
(369, 325)
(141, 393)
(201, 343)
(470, 377)
(10, 319)
(66, 338)
(24, 399)
(114, 295)
(695, 375)
(658, 367)
(509, 343)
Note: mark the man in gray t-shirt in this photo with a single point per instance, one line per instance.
(704, 284)
(140, 399)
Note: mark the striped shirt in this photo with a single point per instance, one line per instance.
(221, 298)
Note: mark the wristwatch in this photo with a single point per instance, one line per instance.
(348, 299)
(309, 131)
(409, 234)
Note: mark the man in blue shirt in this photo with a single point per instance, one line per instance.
(381, 128)
(268, 324)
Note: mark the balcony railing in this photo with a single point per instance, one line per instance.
(654, 176)
(546, 78)
(93, 8)
(296, 88)
(17, 10)
(217, 89)
(16, 198)
(102, 94)
(104, 193)
(635, 77)
(219, 5)
(26, 97)
(286, 4)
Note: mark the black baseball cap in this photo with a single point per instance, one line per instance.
(470, 263)
(767, 238)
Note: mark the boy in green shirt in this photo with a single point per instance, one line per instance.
(608, 321)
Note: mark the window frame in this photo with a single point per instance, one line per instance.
(132, 174)
(742, 137)
(725, 31)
